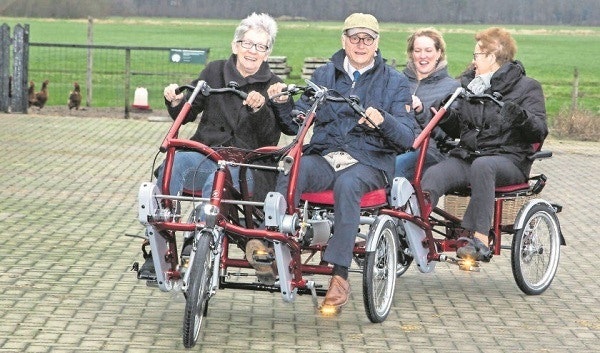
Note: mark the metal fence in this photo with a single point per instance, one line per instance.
(108, 75)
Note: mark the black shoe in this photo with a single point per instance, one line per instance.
(147, 271)
(474, 249)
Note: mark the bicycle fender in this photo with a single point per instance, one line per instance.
(521, 216)
(147, 203)
(402, 189)
(520, 220)
(375, 229)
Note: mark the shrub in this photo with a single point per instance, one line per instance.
(577, 124)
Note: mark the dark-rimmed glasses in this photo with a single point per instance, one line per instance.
(355, 39)
(475, 55)
(246, 44)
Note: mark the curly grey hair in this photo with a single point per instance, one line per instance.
(261, 22)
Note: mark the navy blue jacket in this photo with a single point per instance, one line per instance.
(336, 125)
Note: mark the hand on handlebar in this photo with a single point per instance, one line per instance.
(374, 118)
(278, 92)
(254, 101)
(171, 95)
(513, 112)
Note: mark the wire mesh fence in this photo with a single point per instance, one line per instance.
(109, 75)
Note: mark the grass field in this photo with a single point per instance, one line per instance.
(550, 54)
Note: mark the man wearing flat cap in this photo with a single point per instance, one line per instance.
(348, 153)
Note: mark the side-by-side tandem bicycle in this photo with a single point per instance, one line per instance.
(203, 252)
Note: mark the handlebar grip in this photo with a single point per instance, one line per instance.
(180, 89)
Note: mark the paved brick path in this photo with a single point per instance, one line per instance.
(69, 197)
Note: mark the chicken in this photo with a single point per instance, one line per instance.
(31, 93)
(75, 97)
(41, 97)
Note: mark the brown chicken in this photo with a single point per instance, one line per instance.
(41, 97)
(31, 93)
(75, 97)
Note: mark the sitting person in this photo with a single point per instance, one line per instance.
(346, 153)
(494, 141)
(427, 72)
(225, 122)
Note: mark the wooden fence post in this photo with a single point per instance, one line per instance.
(127, 80)
(90, 62)
(5, 85)
(575, 91)
(19, 101)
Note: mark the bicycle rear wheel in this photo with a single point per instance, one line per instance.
(536, 250)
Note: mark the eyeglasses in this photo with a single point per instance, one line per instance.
(246, 44)
(475, 55)
(355, 39)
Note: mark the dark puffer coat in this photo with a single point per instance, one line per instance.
(484, 128)
(225, 121)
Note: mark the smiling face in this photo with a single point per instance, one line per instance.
(425, 56)
(249, 60)
(483, 61)
(359, 54)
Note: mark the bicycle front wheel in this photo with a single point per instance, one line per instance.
(196, 304)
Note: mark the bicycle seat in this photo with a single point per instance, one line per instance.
(372, 199)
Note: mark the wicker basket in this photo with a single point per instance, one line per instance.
(457, 205)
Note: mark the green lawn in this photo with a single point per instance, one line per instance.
(550, 54)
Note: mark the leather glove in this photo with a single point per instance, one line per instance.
(513, 112)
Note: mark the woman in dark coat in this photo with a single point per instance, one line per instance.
(227, 120)
(494, 141)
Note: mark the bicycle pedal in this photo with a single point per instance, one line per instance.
(330, 310)
(468, 265)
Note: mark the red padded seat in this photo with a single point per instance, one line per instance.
(375, 198)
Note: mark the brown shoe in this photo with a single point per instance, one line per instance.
(261, 258)
(337, 294)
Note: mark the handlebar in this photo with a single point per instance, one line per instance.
(322, 93)
(206, 90)
(495, 97)
(203, 88)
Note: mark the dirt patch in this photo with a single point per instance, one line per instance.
(93, 112)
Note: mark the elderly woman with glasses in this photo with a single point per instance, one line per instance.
(223, 122)
(227, 120)
(495, 141)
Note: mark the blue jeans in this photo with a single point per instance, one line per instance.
(193, 171)
(407, 162)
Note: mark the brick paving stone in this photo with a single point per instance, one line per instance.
(68, 207)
